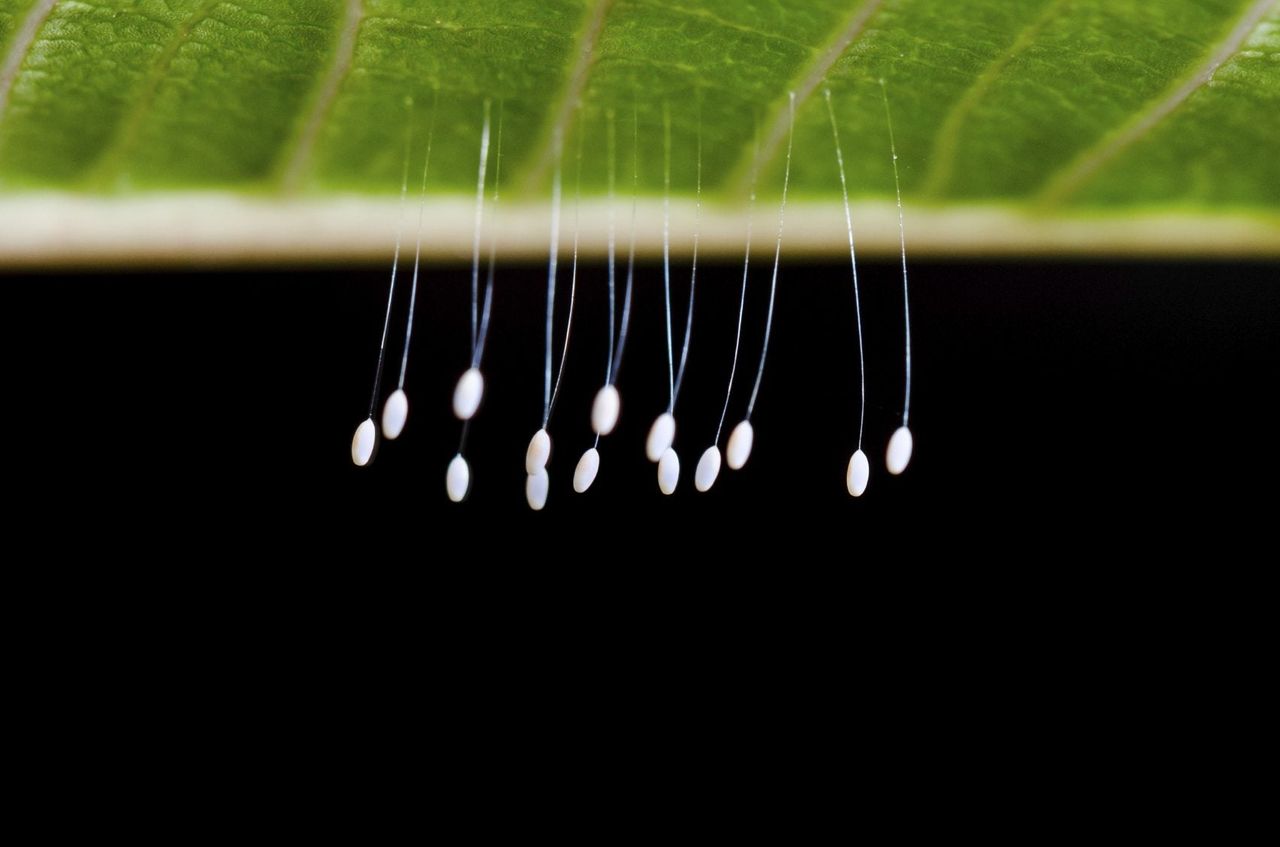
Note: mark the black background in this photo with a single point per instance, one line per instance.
(1053, 401)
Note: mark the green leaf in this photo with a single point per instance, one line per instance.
(135, 129)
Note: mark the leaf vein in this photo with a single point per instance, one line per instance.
(125, 133)
(21, 46)
(298, 159)
(810, 79)
(1085, 166)
(947, 141)
(544, 156)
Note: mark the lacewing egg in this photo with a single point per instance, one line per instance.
(535, 489)
(661, 435)
(668, 471)
(585, 473)
(535, 458)
(605, 409)
(467, 394)
(899, 452)
(738, 449)
(858, 474)
(362, 442)
(458, 479)
(708, 469)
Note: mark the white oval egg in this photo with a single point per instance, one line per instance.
(535, 458)
(738, 450)
(468, 393)
(458, 479)
(605, 409)
(362, 442)
(708, 469)
(661, 435)
(535, 489)
(668, 471)
(585, 473)
(394, 413)
(899, 452)
(858, 474)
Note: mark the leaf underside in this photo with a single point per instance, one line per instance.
(1047, 110)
